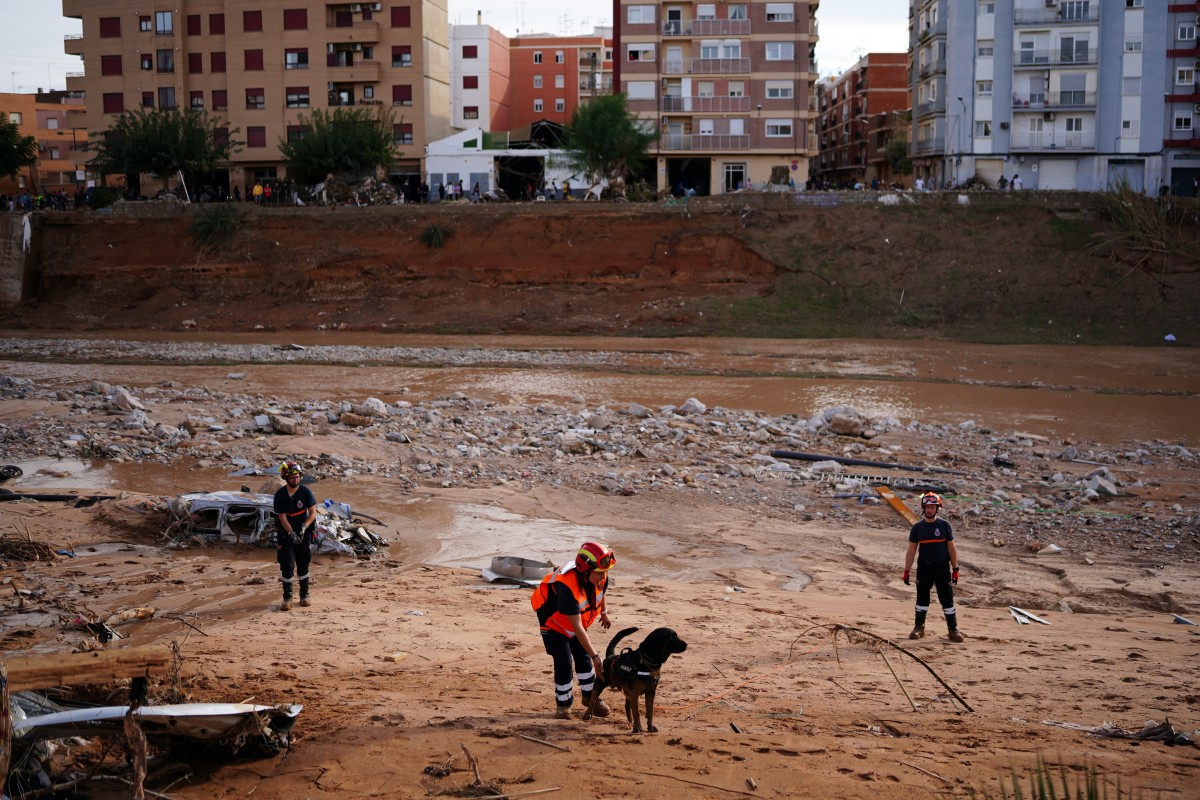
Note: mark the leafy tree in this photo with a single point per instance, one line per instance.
(896, 155)
(604, 140)
(352, 140)
(162, 142)
(16, 151)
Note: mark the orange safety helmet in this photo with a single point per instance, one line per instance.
(930, 499)
(289, 468)
(594, 556)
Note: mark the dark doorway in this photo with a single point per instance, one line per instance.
(1181, 180)
(688, 175)
(517, 173)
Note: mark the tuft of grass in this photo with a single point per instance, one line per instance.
(435, 236)
(1041, 786)
(216, 225)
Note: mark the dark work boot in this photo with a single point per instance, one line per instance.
(919, 627)
(952, 628)
(286, 605)
(304, 593)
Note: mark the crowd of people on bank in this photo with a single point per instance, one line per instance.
(58, 200)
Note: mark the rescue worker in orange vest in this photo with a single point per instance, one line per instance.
(567, 603)
(932, 543)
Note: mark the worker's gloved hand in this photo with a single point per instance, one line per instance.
(906, 583)
(954, 577)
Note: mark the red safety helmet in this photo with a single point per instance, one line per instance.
(288, 468)
(594, 556)
(930, 499)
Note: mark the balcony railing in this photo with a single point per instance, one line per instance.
(705, 104)
(706, 27)
(931, 107)
(73, 44)
(934, 145)
(1068, 13)
(1054, 100)
(1043, 58)
(935, 67)
(707, 66)
(362, 31)
(704, 141)
(1054, 140)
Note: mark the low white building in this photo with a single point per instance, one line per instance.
(475, 156)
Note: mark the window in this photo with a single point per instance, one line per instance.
(537, 81)
(251, 21)
(1131, 87)
(780, 51)
(401, 17)
(147, 99)
(220, 99)
(402, 55)
(558, 56)
(1133, 44)
(470, 112)
(403, 133)
(537, 56)
(295, 19)
(297, 96)
(537, 106)
(704, 127)
(470, 51)
(710, 48)
(402, 95)
(559, 81)
(1186, 33)
(983, 88)
(640, 90)
(256, 98)
(164, 23)
(368, 92)
(987, 8)
(166, 97)
(780, 12)
(195, 62)
(196, 100)
(1133, 3)
(641, 52)
(1074, 124)
(145, 24)
(216, 24)
(193, 25)
(295, 58)
(1129, 128)
(779, 90)
(165, 60)
(983, 128)
(737, 11)
(216, 62)
(637, 15)
(704, 88)
(256, 136)
(560, 105)
(779, 127)
(1185, 75)
(110, 27)
(114, 103)
(110, 65)
(254, 60)
(52, 123)
(737, 89)
(295, 133)
(985, 47)
(147, 61)
(470, 81)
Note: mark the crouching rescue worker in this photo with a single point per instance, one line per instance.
(567, 603)
(932, 543)
(295, 513)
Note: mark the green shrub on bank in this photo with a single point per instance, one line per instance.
(216, 225)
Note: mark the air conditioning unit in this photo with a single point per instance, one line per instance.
(1048, 116)
(356, 8)
(358, 47)
(1196, 108)
(1051, 3)
(330, 49)
(377, 6)
(663, 121)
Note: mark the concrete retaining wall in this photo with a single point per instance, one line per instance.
(12, 260)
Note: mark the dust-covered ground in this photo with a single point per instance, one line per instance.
(408, 658)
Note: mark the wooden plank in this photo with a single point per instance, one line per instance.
(895, 502)
(43, 672)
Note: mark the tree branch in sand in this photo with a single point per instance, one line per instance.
(848, 630)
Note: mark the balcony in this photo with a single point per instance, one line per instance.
(935, 67)
(1054, 101)
(73, 44)
(75, 82)
(938, 29)
(1054, 140)
(1040, 59)
(931, 107)
(73, 8)
(706, 27)
(935, 145)
(704, 141)
(603, 86)
(704, 105)
(1184, 139)
(707, 66)
(361, 32)
(360, 72)
(1071, 12)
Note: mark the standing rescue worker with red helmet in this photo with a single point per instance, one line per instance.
(932, 543)
(567, 602)
(295, 513)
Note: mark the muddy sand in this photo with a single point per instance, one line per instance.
(408, 659)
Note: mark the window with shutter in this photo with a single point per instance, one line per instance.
(114, 102)
(295, 19)
(251, 21)
(110, 27)
(401, 17)
(254, 60)
(217, 62)
(110, 65)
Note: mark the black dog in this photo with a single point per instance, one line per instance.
(635, 673)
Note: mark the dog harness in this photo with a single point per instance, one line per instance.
(632, 664)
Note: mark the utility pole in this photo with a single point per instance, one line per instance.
(595, 75)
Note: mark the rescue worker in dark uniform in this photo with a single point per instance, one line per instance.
(932, 543)
(295, 514)
(567, 602)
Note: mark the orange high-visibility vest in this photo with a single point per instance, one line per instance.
(570, 580)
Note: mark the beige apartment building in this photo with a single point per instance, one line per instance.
(261, 65)
(729, 86)
(54, 119)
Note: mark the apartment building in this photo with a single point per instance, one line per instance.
(480, 88)
(860, 111)
(262, 65)
(553, 75)
(728, 86)
(1069, 94)
(55, 119)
